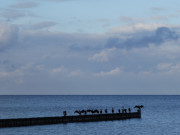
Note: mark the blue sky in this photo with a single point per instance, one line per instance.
(89, 47)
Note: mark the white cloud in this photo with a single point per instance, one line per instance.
(58, 70)
(4, 74)
(169, 48)
(144, 73)
(169, 68)
(164, 66)
(103, 56)
(112, 72)
(40, 67)
(15, 73)
(18, 71)
(75, 73)
(175, 68)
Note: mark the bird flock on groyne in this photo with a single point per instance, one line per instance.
(96, 111)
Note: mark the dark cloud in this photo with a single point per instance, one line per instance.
(161, 35)
(25, 5)
(165, 33)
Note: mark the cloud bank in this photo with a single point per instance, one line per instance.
(87, 63)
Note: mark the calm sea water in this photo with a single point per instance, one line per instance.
(161, 115)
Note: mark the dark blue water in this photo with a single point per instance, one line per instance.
(161, 115)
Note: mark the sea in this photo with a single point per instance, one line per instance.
(160, 115)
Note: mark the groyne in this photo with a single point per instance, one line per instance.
(67, 119)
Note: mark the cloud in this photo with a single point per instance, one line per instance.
(157, 9)
(65, 72)
(25, 5)
(42, 25)
(103, 56)
(75, 73)
(126, 19)
(169, 68)
(12, 14)
(10, 74)
(112, 72)
(175, 68)
(58, 70)
(8, 35)
(146, 56)
(160, 35)
(159, 18)
(18, 72)
(164, 66)
(132, 20)
(135, 28)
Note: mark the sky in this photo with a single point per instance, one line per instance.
(89, 47)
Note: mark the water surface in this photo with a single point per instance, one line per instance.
(159, 117)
